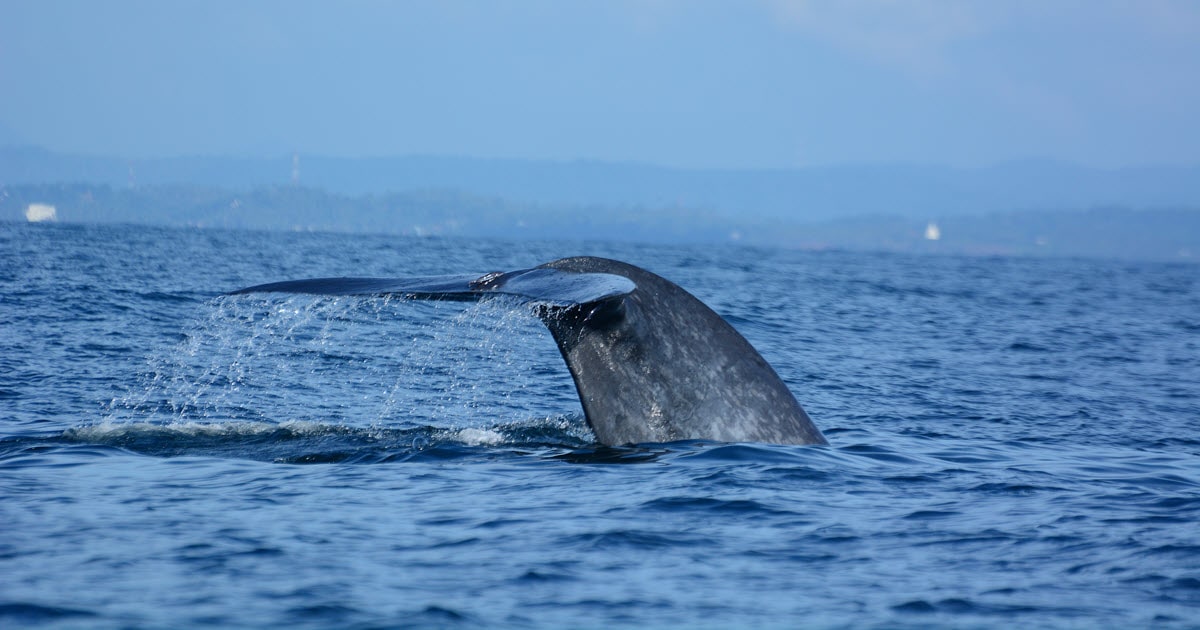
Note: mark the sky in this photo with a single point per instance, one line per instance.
(685, 83)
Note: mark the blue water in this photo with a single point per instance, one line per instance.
(1013, 442)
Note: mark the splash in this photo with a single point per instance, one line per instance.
(270, 363)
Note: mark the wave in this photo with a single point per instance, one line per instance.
(316, 442)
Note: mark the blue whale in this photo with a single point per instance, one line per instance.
(651, 362)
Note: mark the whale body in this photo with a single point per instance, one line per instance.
(651, 362)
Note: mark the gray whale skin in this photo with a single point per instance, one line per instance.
(652, 363)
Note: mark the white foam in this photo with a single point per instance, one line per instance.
(480, 437)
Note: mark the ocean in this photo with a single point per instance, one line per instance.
(1013, 442)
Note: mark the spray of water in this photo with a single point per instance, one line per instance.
(474, 373)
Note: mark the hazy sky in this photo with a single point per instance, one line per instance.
(688, 83)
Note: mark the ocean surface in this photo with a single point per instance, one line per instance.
(1013, 442)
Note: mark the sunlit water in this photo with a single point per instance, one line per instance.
(1013, 442)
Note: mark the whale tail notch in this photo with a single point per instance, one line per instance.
(651, 362)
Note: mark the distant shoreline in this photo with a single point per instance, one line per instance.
(1161, 234)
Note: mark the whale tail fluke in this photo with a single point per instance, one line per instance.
(540, 285)
(651, 362)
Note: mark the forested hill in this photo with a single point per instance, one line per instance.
(1111, 232)
(798, 195)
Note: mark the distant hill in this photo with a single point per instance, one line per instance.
(802, 195)
(1112, 232)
